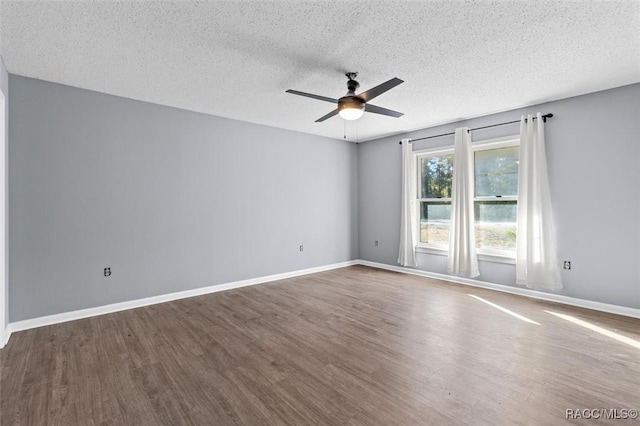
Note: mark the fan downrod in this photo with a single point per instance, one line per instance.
(352, 84)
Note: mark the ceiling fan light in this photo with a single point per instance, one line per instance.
(351, 113)
(350, 108)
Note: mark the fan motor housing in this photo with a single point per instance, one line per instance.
(350, 102)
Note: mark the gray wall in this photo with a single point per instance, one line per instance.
(169, 199)
(173, 200)
(4, 87)
(593, 150)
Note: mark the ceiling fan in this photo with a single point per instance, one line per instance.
(352, 106)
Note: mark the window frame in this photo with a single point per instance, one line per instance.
(506, 256)
(419, 155)
(487, 145)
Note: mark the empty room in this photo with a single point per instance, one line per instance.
(319, 213)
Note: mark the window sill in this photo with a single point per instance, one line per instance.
(497, 258)
(485, 257)
(432, 250)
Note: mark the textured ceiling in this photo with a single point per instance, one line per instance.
(459, 59)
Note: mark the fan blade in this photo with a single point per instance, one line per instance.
(309, 95)
(324, 117)
(379, 90)
(383, 111)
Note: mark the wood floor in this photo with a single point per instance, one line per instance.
(353, 346)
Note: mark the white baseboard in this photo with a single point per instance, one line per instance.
(131, 304)
(116, 307)
(582, 303)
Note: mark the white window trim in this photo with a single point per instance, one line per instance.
(484, 256)
(504, 142)
(425, 153)
(491, 255)
(483, 145)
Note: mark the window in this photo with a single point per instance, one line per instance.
(496, 196)
(495, 190)
(434, 192)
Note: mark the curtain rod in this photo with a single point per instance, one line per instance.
(544, 118)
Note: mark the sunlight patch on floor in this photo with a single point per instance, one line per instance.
(603, 331)
(520, 317)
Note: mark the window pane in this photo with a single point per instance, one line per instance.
(435, 219)
(496, 171)
(436, 174)
(496, 224)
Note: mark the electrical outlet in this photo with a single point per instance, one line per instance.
(375, 243)
(107, 272)
(567, 264)
(301, 247)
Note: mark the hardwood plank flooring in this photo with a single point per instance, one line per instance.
(353, 346)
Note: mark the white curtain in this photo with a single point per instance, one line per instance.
(536, 262)
(463, 259)
(408, 220)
